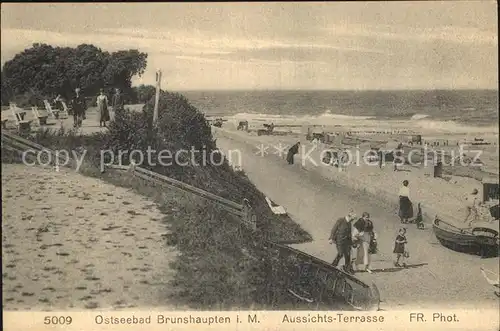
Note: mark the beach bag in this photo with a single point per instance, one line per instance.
(406, 254)
(373, 249)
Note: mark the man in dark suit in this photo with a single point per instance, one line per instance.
(118, 102)
(79, 106)
(341, 235)
(292, 151)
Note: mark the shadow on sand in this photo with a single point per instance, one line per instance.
(395, 269)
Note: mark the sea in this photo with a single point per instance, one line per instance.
(446, 110)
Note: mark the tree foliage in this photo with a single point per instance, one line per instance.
(143, 93)
(47, 70)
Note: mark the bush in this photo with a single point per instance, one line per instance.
(180, 122)
(29, 99)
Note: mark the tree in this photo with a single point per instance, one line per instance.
(59, 70)
(144, 93)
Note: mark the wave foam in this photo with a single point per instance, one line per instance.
(327, 115)
(418, 117)
(417, 122)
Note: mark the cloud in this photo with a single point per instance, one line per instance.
(452, 34)
(340, 57)
(227, 44)
(192, 46)
(20, 37)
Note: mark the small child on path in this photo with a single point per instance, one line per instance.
(400, 248)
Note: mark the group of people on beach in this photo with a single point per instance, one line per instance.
(79, 106)
(472, 205)
(356, 241)
(359, 240)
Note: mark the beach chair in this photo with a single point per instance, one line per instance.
(66, 109)
(275, 208)
(55, 113)
(48, 107)
(42, 119)
(4, 121)
(22, 125)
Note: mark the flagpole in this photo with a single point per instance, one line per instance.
(157, 97)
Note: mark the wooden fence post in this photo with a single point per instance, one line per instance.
(157, 97)
(249, 217)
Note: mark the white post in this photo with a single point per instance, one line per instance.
(157, 97)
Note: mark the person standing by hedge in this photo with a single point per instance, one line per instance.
(118, 102)
(102, 106)
(79, 106)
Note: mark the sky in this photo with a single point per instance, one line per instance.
(312, 45)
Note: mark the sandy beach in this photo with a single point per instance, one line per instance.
(438, 276)
(74, 242)
(438, 196)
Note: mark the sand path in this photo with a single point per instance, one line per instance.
(71, 241)
(447, 278)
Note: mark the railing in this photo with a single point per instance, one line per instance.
(244, 211)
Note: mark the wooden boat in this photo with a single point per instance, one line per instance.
(481, 238)
(314, 284)
(275, 208)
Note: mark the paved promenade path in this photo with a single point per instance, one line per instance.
(440, 277)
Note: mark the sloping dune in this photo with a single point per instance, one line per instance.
(71, 241)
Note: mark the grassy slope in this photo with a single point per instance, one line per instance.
(221, 264)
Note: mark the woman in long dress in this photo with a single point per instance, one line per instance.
(472, 207)
(405, 205)
(367, 239)
(102, 105)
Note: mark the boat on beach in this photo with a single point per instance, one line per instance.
(480, 238)
(275, 208)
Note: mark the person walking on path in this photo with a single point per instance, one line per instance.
(291, 152)
(341, 235)
(405, 205)
(344, 160)
(102, 106)
(400, 249)
(79, 106)
(472, 203)
(398, 157)
(367, 242)
(118, 102)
